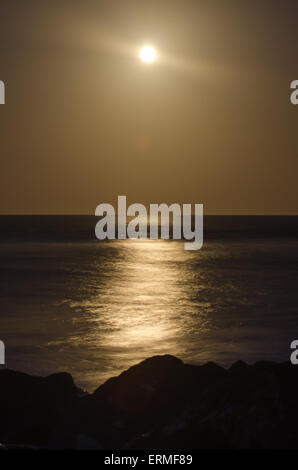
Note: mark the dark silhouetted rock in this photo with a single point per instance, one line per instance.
(31, 408)
(160, 403)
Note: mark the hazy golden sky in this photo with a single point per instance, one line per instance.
(209, 122)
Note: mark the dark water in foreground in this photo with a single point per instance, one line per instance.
(70, 303)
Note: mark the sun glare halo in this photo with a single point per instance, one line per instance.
(147, 54)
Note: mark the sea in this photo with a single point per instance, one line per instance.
(69, 302)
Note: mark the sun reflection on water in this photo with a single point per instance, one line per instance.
(136, 307)
(133, 307)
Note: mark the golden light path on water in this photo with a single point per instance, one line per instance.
(145, 279)
(136, 310)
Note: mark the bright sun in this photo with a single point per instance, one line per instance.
(148, 54)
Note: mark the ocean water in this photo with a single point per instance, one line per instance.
(71, 303)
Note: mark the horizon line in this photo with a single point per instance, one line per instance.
(116, 214)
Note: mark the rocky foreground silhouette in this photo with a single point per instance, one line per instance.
(160, 403)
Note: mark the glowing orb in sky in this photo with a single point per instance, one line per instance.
(148, 54)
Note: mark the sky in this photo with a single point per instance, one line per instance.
(210, 121)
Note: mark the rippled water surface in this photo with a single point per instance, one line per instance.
(95, 308)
